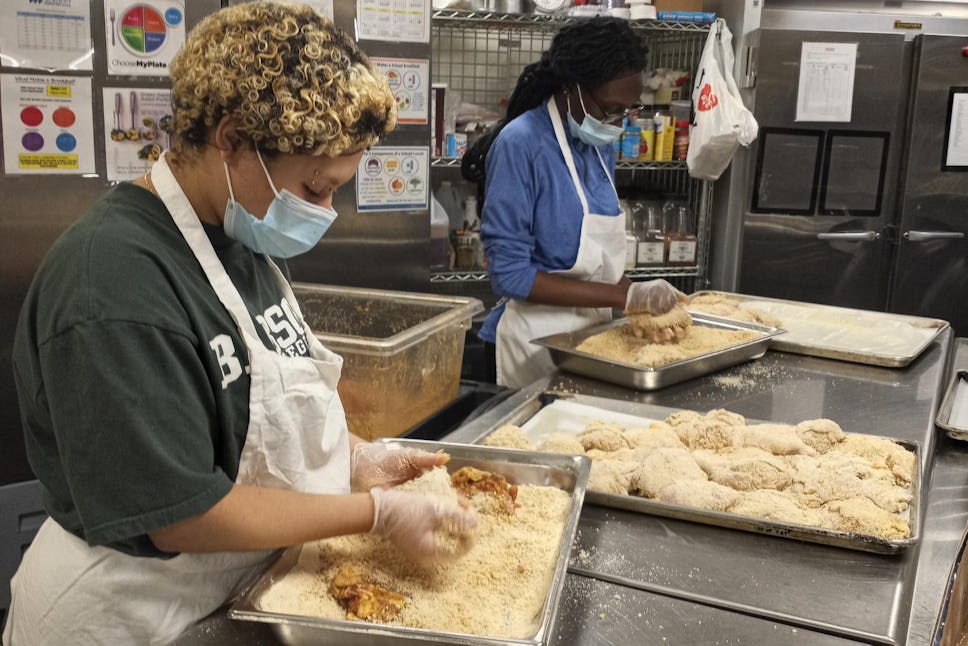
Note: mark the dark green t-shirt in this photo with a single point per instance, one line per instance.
(134, 410)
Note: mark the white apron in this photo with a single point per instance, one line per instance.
(67, 592)
(601, 258)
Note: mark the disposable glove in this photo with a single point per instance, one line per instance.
(652, 297)
(379, 465)
(423, 527)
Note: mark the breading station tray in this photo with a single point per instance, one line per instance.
(566, 472)
(564, 353)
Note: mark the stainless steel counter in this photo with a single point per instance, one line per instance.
(638, 579)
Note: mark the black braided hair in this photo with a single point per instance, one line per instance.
(591, 51)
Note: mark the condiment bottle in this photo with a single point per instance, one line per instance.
(631, 139)
(681, 243)
(465, 251)
(631, 242)
(651, 248)
(647, 139)
(680, 145)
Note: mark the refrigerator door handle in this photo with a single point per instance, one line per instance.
(859, 236)
(922, 236)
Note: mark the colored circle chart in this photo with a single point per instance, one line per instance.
(64, 117)
(143, 30)
(31, 116)
(66, 142)
(32, 141)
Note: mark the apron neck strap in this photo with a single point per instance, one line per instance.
(562, 138)
(185, 218)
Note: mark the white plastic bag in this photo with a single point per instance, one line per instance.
(721, 122)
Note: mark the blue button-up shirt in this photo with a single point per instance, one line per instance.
(532, 216)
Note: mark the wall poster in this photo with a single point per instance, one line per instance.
(956, 129)
(393, 178)
(47, 124)
(409, 81)
(400, 21)
(137, 131)
(826, 88)
(46, 36)
(143, 35)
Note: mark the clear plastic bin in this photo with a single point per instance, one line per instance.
(401, 351)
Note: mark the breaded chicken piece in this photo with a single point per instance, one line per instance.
(882, 454)
(774, 505)
(364, 599)
(561, 443)
(699, 493)
(861, 516)
(605, 478)
(661, 468)
(745, 469)
(726, 417)
(508, 436)
(473, 483)
(603, 437)
(670, 327)
(681, 417)
(655, 435)
(778, 439)
(706, 433)
(837, 475)
(820, 434)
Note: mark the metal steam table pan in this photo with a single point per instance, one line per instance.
(555, 413)
(564, 353)
(567, 472)
(858, 336)
(953, 413)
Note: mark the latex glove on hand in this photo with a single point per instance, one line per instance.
(652, 297)
(425, 528)
(379, 465)
(652, 312)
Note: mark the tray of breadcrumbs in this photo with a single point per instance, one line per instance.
(809, 481)
(504, 590)
(613, 352)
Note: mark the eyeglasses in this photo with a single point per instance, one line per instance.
(614, 117)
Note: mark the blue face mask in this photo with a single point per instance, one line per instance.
(291, 226)
(592, 131)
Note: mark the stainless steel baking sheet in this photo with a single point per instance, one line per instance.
(569, 473)
(565, 355)
(858, 336)
(553, 413)
(953, 414)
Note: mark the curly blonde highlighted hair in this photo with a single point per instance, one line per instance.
(297, 83)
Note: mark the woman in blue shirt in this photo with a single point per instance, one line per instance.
(553, 232)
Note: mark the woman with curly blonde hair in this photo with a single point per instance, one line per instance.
(181, 416)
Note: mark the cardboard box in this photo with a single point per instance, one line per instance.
(677, 5)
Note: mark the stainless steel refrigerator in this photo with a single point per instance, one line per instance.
(868, 212)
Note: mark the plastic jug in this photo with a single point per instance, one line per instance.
(440, 249)
(449, 198)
